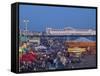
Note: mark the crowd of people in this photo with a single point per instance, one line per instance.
(55, 56)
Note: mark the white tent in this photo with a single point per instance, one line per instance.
(40, 47)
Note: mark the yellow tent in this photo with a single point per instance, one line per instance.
(76, 49)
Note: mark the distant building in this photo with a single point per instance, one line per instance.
(30, 33)
(70, 31)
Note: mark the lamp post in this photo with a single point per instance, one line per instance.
(26, 29)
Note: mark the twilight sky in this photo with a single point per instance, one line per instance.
(41, 17)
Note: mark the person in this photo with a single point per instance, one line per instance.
(63, 60)
(22, 47)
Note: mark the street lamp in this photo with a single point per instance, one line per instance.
(26, 29)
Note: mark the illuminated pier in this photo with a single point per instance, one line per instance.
(70, 31)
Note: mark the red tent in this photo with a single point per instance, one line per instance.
(31, 56)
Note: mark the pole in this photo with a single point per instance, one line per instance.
(26, 29)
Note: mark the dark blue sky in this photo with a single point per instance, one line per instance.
(41, 17)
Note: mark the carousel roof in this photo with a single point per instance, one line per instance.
(83, 39)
